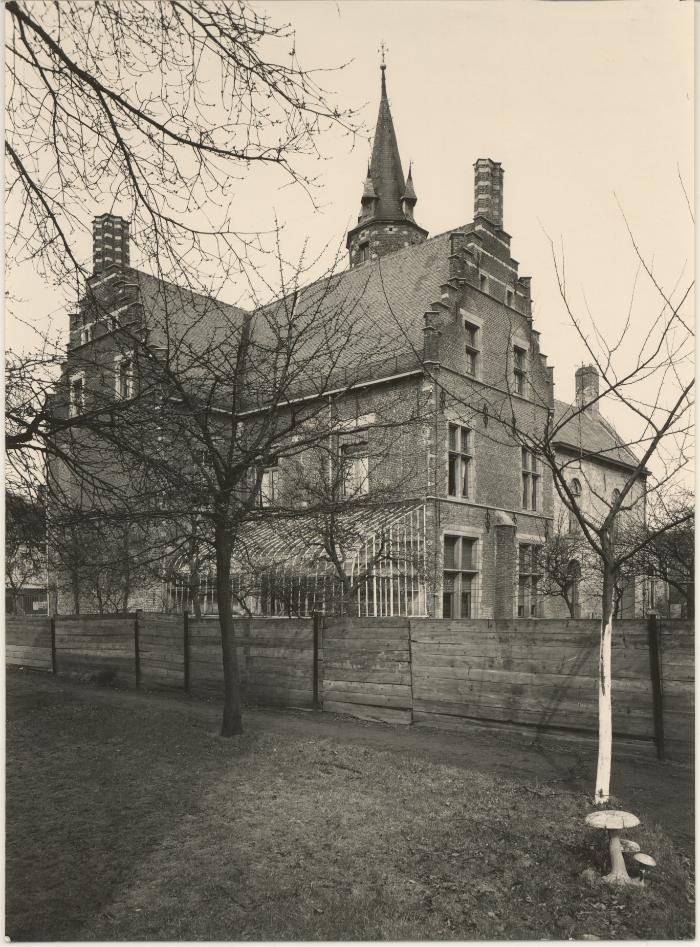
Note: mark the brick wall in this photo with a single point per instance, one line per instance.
(382, 238)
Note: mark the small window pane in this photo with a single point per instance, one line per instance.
(450, 552)
(466, 598)
(447, 605)
(468, 553)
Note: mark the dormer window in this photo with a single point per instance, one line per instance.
(509, 297)
(483, 283)
(363, 252)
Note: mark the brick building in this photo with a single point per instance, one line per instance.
(446, 365)
(598, 465)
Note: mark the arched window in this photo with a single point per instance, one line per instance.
(576, 493)
(574, 578)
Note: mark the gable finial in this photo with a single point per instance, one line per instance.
(383, 49)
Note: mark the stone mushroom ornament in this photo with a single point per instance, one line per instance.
(645, 861)
(615, 820)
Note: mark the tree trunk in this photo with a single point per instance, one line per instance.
(194, 589)
(75, 589)
(602, 784)
(232, 722)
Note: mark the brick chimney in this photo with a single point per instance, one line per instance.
(587, 387)
(488, 191)
(110, 242)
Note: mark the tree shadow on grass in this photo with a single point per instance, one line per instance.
(92, 789)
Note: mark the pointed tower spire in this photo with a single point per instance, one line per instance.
(369, 198)
(387, 199)
(385, 163)
(409, 199)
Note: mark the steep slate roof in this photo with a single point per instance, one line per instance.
(188, 316)
(385, 164)
(381, 303)
(378, 308)
(588, 431)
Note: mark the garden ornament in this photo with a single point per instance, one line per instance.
(614, 820)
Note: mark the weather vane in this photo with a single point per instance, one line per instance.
(383, 49)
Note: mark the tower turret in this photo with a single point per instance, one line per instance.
(386, 219)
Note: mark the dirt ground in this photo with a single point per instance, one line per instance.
(663, 788)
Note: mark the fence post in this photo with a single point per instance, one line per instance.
(137, 650)
(53, 644)
(186, 647)
(317, 635)
(656, 682)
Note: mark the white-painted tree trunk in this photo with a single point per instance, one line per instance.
(602, 782)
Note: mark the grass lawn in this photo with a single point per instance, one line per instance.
(129, 819)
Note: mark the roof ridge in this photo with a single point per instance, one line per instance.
(184, 289)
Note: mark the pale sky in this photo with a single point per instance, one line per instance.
(586, 104)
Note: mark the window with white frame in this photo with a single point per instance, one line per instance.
(531, 477)
(459, 461)
(472, 348)
(353, 450)
(85, 334)
(459, 577)
(519, 370)
(77, 394)
(529, 579)
(269, 486)
(124, 376)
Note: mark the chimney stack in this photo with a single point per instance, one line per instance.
(110, 242)
(587, 387)
(488, 191)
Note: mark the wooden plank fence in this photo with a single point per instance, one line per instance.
(367, 668)
(28, 641)
(537, 673)
(448, 674)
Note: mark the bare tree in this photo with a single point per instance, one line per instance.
(667, 553)
(161, 104)
(565, 565)
(159, 107)
(25, 545)
(646, 375)
(218, 397)
(342, 507)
